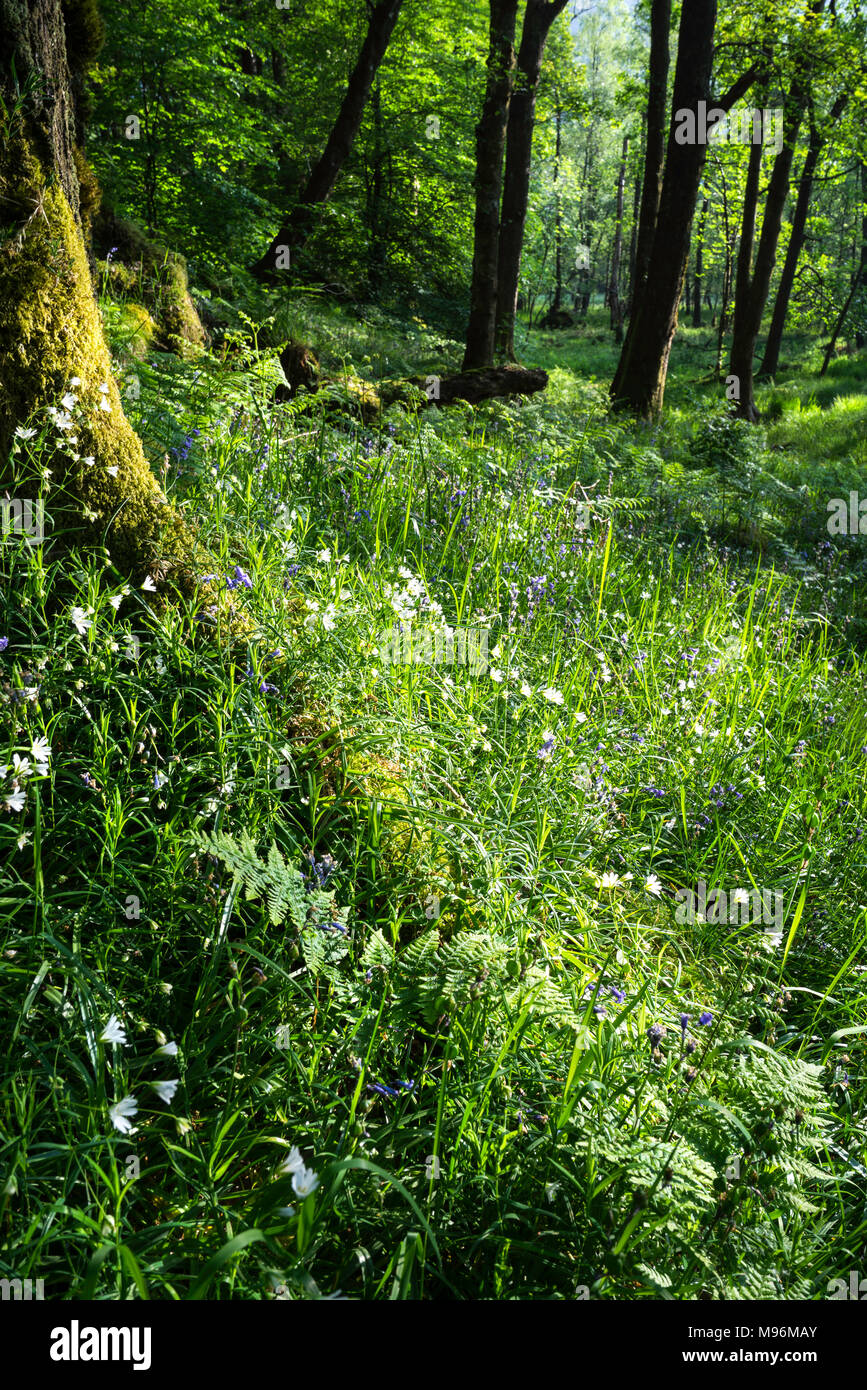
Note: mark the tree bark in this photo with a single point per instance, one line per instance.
(50, 325)
(857, 279)
(490, 151)
(752, 284)
(639, 383)
(654, 152)
(614, 298)
(654, 161)
(471, 387)
(771, 359)
(538, 18)
(633, 241)
(320, 185)
(558, 215)
(698, 280)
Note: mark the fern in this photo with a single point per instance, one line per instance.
(283, 886)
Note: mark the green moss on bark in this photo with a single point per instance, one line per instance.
(158, 276)
(50, 332)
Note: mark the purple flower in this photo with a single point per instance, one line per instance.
(4, 643)
(656, 1032)
(705, 1018)
(618, 994)
(241, 579)
(333, 926)
(684, 1022)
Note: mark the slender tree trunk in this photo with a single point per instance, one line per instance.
(633, 241)
(490, 151)
(614, 283)
(654, 152)
(698, 280)
(558, 217)
(639, 384)
(375, 260)
(752, 285)
(771, 359)
(320, 185)
(857, 279)
(538, 18)
(654, 161)
(859, 334)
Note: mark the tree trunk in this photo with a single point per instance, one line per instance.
(614, 283)
(376, 249)
(654, 160)
(320, 185)
(538, 18)
(771, 359)
(490, 150)
(639, 384)
(698, 281)
(752, 285)
(633, 241)
(654, 153)
(51, 338)
(558, 217)
(857, 279)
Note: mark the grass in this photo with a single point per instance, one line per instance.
(463, 985)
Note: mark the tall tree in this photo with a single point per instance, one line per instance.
(490, 151)
(698, 279)
(52, 349)
(858, 277)
(639, 382)
(752, 281)
(771, 359)
(654, 161)
(296, 229)
(538, 18)
(614, 297)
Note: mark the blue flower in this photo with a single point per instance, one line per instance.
(240, 580)
(705, 1018)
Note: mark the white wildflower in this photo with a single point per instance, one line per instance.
(80, 620)
(165, 1090)
(114, 1032)
(121, 1114)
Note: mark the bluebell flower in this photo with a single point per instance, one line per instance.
(241, 579)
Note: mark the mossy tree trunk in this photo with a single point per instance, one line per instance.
(100, 489)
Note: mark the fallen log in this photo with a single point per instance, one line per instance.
(475, 387)
(302, 371)
(472, 387)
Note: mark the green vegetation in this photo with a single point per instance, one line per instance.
(433, 835)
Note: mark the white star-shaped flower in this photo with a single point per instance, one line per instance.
(114, 1032)
(166, 1090)
(122, 1112)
